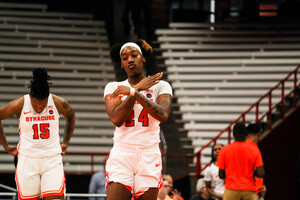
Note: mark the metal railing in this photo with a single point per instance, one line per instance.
(258, 118)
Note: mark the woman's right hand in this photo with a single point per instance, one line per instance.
(11, 150)
(148, 82)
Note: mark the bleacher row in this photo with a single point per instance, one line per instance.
(218, 71)
(75, 50)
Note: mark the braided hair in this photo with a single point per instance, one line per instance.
(213, 159)
(39, 86)
(115, 50)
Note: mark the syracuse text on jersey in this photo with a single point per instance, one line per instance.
(40, 118)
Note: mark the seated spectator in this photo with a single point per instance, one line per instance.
(173, 193)
(202, 193)
(214, 185)
(163, 192)
(97, 184)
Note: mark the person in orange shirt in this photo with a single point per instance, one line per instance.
(173, 193)
(253, 131)
(238, 163)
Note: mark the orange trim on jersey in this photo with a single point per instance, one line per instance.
(139, 194)
(160, 183)
(28, 198)
(107, 158)
(21, 196)
(19, 144)
(58, 192)
(126, 186)
(106, 174)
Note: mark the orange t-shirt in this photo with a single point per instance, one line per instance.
(259, 184)
(258, 181)
(180, 197)
(239, 160)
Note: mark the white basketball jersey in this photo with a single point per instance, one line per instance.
(39, 132)
(140, 128)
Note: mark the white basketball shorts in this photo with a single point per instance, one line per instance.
(36, 177)
(138, 169)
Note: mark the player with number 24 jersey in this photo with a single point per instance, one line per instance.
(140, 128)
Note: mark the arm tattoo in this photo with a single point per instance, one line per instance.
(70, 122)
(69, 129)
(166, 103)
(151, 105)
(65, 104)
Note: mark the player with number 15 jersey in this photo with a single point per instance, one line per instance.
(39, 132)
(39, 170)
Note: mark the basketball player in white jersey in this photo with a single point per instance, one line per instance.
(136, 107)
(39, 172)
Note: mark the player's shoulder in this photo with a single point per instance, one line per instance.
(125, 82)
(117, 83)
(18, 104)
(112, 82)
(163, 82)
(20, 100)
(57, 99)
(12, 108)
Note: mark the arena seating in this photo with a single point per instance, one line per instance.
(75, 50)
(218, 71)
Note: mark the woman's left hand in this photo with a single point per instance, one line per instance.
(148, 82)
(63, 149)
(120, 90)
